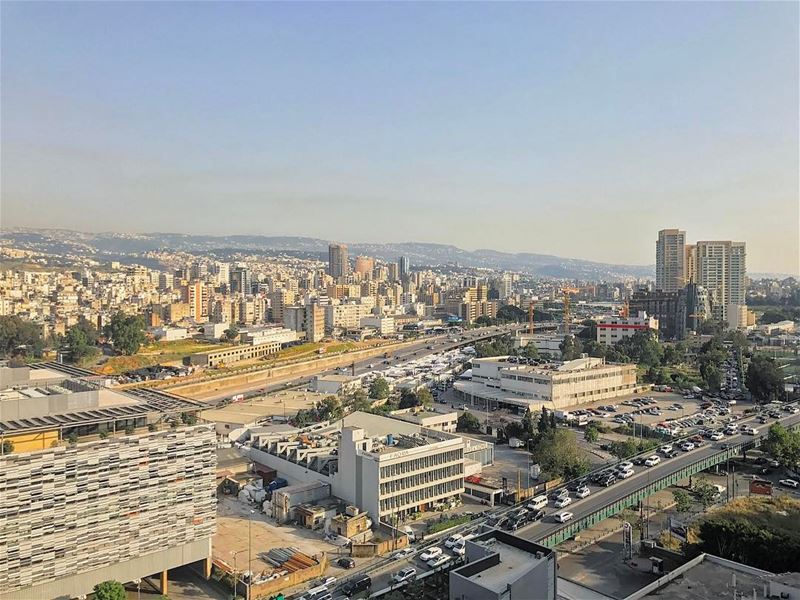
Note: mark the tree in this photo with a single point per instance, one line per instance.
(361, 401)
(80, 340)
(589, 331)
(127, 332)
(558, 455)
(705, 492)
(230, 334)
(379, 389)
(330, 409)
(683, 502)
(110, 590)
(642, 347)
(571, 348)
(530, 351)
(19, 337)
(543, 425)
(408, 399)
(425, 397)
(468, 422)
(527, 424)
(764, 379)
(624, 449)
(590, 434)
(784, 445)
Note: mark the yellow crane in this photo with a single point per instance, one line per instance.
(567, 291)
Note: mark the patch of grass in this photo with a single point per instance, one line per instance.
(448, 523)
(155, 354)
(780, 513)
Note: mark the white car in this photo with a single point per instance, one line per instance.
(583, 492)
(453, 540)
(652, 461)
(403, 553)
(716, 436)
(751, 431)
(563, 517)
(438, 561)
(562, 502)
(624, 473)
(789, 483)
(665, 449)
(460, 547)
(404, 575)
(624, 466)
(327, 581)
(687, 446)
(430, 553)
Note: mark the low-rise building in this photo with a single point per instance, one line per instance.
(613, 329)
(506, 382)
(429, 419)
(335, 384)
(501, 566)
(382, 325)
(233, 354)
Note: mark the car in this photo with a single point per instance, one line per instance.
(563, 517)
(773, 463)
(687, 446)
(460, 548)
(607, 481)
(665, 449)
(652, 461)
(625, 465)
(355, 586)
(327, 581)
(404, 553)
(563, 502)
(346, 563)
(639, 461)
(404, 575)
(716, 436)
(789, 483)
(583, 492)
(560, 493)
(453, 539)
(624, 473)
(430, 553)
(439, 561)
(578, 484)
(750, 431)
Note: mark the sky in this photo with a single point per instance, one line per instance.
(574, 129)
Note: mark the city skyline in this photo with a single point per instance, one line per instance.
(562, 124)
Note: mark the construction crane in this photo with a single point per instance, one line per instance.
(567, 291)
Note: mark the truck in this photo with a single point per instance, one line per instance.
(276, 484)
(564, 415)
(515, 443)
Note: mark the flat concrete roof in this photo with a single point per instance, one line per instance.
(710, 580)
(514, 562)
(252, 410)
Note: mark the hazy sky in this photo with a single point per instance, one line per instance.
(564, 128)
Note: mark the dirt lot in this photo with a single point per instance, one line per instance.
(232, 536)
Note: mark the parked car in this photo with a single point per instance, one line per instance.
(404, 553)
(404, 575)
(430, 553)
(346, 563)
(582, 492)
(652, 461)
(687, 446)
(624, 473)
(452, 540)
(789, 483)
(563, 517)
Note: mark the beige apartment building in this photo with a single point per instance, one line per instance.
(671, 260)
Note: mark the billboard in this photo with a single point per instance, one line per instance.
(761, 487)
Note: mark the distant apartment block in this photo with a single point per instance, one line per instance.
(338, 263)
(671, 260)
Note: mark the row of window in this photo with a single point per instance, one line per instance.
(423, 462)
(425, 478)
(421, 495)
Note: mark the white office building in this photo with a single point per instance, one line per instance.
(612, 329)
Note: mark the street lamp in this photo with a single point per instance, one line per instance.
(236, 573)
(249, 550)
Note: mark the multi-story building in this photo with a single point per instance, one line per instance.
(721, 268)
(506, 383)
(76, 513)
(668, 308)
(404, 267)
(345, 316)
(315, 322)
(240, 281)
(392, 467)
(502, 566)
(612, 329)
(364, 266)
(338, 263)
(670, 260)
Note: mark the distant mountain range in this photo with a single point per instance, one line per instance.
(127, 247)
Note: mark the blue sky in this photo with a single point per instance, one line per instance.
(566, 128)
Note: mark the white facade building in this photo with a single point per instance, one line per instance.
(611, 330)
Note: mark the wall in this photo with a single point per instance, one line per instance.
(23, 408)
(30, 442)
(377, 549)
(293, 473)
(267, 589)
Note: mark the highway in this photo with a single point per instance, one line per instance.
(599, 499)
(439, 343)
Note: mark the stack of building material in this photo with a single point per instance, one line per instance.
(290, 559)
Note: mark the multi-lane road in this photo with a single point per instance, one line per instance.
(599, 499)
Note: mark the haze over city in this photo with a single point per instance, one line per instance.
(574, 129)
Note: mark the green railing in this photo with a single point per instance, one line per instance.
(569, 530)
